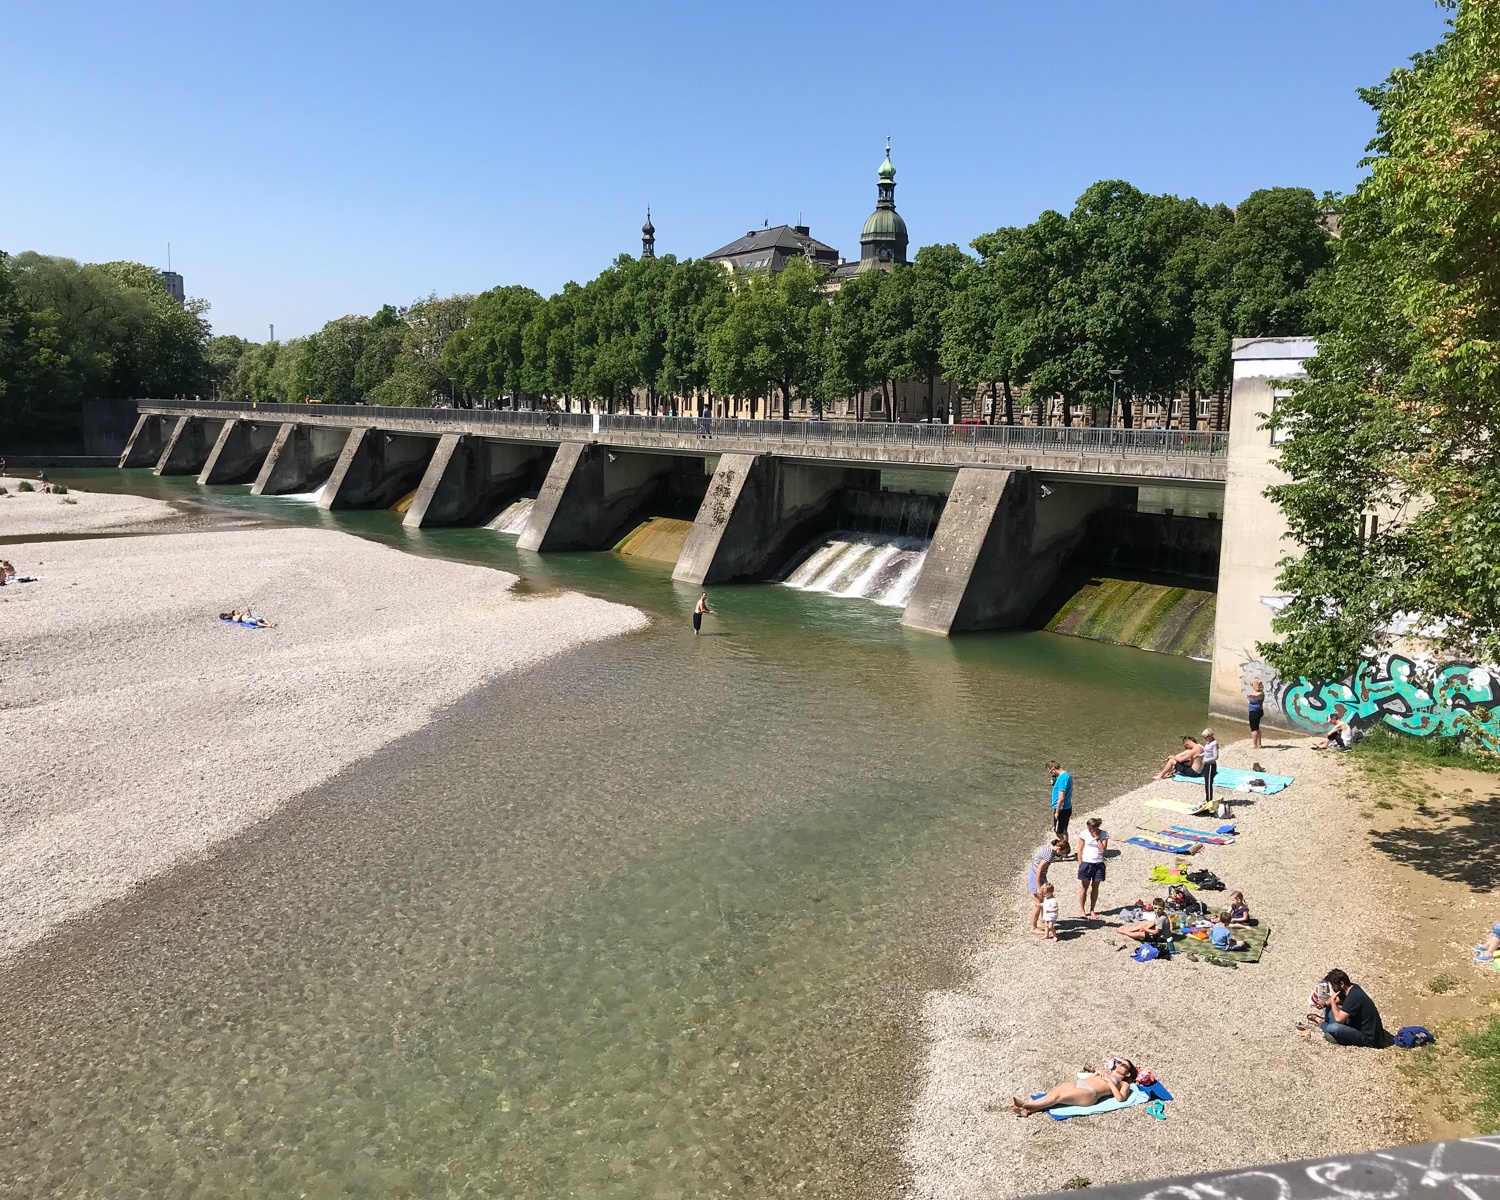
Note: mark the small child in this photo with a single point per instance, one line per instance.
(1239, 911)
(1222, 939)
(1049, 913)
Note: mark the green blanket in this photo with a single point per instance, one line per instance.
(1193, 948)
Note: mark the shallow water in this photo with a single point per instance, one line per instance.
(650, 921)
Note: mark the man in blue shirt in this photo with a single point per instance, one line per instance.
(1062, 799)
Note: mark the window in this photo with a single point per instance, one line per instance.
(1279, 435)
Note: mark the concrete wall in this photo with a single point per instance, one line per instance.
(1253, 532)
(1180, 547)
(143, 447)
(758, 511)
(469, 480)
(375, 469)
(300, 458)
(188, 446)
(239, 452)
(593, 495)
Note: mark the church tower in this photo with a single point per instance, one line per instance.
(648, 237)
(882, 242)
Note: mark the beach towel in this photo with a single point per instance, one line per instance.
(1256, 936)
(1232, 777)
(242, 624)
(1165, 875)
(1180, 806)
(1162, 846)
(1196, 835)
(1136, 1095)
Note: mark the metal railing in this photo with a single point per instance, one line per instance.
(1037, 439)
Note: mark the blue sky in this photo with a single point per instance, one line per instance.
(310, 160)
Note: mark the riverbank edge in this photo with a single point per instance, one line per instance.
(1248, 1085)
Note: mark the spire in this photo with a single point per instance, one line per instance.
(887, 170)
(648, 236)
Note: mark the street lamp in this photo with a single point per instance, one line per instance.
(682, 387)
(1114, 393)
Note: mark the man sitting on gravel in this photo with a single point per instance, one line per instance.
(1350, 1017)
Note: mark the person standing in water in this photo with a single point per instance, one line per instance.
(698, 610)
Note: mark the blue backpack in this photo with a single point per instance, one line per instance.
(1409, 1037)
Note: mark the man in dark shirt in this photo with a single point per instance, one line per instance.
(1350, 1017)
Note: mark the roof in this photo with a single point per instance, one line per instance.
(769, 249)
(883, 223)
(1248, 349)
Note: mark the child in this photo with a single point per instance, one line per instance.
(1239, 911)
(1222, 939)
(1049, 913)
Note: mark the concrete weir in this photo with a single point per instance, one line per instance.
(1002, 538)
(188, 446)
(758, 511)
(238, 452)
(375, 469)
(144, 447)
(469, 478)
(300, 457)
(592, 495)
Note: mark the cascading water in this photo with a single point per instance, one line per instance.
(865, 566)
(512, 519)
(307, 497)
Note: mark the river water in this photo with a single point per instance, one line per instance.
(650, 921)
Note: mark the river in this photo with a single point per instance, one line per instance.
(649, 921)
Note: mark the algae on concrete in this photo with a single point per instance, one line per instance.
(1168, 620)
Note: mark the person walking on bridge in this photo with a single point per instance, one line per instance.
(698, 610)
(703, 419)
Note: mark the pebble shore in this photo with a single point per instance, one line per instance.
(139, 729)
(1248, 1087)
(38, 514)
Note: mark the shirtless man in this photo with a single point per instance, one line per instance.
(1191, 758)
(1086, 1090)
(698, 610)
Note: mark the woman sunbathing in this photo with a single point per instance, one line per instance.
(1189, 762)
(1086, 1090)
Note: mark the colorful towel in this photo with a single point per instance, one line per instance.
(1195, 835)
(1161, 846)
(1180, 806)
(1256, 936)
(1167, 877)
(1232, 777)
(1136, 1095)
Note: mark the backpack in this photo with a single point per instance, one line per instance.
(1146, 953)
(1180, 898)
(1409, 1037)
(1207, 880)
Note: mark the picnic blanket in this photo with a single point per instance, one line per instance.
(1180, 806)
(1164, 875)
(1256, 936)
(1136, 1095)
(1197, 835)
(1232, 777)
(1162, 846)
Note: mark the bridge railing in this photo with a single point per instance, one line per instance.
(1042, 439)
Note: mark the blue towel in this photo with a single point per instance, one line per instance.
(1232, 777)
(1137, 1095)
(1162, 845)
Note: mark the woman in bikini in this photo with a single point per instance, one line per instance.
(1086, 1090)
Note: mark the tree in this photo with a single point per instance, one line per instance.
(485, 356)
(1400, 413)
(694, 301)
(851, 362)
(417, 376)
(773, 336)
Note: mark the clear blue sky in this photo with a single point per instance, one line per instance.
(308, 160)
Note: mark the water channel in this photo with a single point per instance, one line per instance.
(650, 921)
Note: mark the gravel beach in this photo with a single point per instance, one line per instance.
(35, 514)
(1248, 1088)
(139, 729)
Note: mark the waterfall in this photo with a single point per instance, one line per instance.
(865, 566)
(513, 519)
(307, 497)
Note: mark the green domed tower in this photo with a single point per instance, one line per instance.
(882, 242)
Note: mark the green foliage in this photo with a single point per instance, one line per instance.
(486, 355)
(1442, 983)
(773, 336)
(24, 486)
(1480, 1074)
(59, 489)
(1400, 413)
(1385, 749)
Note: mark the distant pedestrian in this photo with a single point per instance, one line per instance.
(1093, 843)
(703, 417)
(1062, 798)
(1257, 703)
(698, 610)
(1210, 764)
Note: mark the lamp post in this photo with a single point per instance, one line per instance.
(1114, 394)
(682, 388)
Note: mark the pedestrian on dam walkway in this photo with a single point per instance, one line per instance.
(1062, 798)
(698, 610)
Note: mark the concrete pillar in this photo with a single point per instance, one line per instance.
(144, 446)
(758, 511)
(592, 495)
(998, 549)
(469, 479)
(187, 446)
(239, 452)
(299, 459)
(375, 469)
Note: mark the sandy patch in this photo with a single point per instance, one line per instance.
(138, 729)
(39, 514)
(1249, 1088)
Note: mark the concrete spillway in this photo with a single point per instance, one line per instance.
(863, 566)
(1169, 620)
(512, 518)
(659, 539)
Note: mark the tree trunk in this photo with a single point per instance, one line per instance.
(1010, 401)
(890, 400)
(1067, 412)
(1192, 412)
(1127, 413)
(1221, 414)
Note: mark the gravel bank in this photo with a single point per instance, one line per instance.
(139, 729)
(1248, 1088)
(35, 514)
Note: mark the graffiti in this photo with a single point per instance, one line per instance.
(1452, 699)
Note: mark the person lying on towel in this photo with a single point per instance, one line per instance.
(1088, 1088)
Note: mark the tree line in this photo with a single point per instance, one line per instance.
(1149, 287)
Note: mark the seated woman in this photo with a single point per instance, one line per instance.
(1154, 928)
(1086, 1090)
(1189, 762)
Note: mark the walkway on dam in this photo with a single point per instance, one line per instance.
(1165, 457)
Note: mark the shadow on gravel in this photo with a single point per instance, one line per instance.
(1457, 846)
